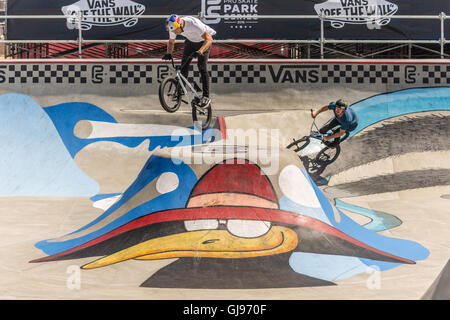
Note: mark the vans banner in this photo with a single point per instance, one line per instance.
(128, 26)
(346, 19)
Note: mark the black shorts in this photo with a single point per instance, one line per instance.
(335, 127)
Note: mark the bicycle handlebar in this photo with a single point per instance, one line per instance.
(320, 135)
(186, 62)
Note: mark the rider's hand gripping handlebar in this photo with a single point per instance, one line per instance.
(181, 67)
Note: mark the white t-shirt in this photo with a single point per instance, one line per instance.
(193, 30)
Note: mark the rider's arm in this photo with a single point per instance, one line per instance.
(207, 43)
(170, 45)
(336, 135)
(320, 110)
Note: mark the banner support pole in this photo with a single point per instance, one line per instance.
(322, 38)
(442, 18)
(80, 35)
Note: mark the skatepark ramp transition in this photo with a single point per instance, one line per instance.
(105, 196)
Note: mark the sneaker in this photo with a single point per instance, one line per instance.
(205, 102)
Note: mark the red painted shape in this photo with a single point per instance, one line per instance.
(235, 176)
(227, 212)
(223, 127)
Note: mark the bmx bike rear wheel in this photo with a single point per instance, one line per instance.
(201, 116)
(327, 155)
(169, 96)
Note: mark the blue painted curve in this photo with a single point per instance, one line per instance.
(35, 161)
(65, 116)
(154, 167)
(380, 221)
(394, 104)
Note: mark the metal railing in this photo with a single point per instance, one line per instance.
(320, 42)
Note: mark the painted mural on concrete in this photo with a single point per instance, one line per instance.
(233, 227)
(40, 144)
(228, 224)
(393, 127)
(35, 160)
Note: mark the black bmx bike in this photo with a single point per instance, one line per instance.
(171, 92)
(325, 156)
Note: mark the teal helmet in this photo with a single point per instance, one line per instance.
(342, 104)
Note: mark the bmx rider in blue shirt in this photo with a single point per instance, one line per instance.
(345, 120)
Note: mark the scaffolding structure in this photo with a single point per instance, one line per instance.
(322, 48)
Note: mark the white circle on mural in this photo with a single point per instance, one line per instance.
(167, 182)
(297, 187)
(201, 224)
(248, 228)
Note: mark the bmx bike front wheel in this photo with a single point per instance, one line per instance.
(299, 144)
(168, 95)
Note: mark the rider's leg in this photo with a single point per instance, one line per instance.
(189, 48)
(328, 126)
(344, 136)
(202, 64)
(333, 143)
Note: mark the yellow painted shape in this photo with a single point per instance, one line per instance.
(205, 243)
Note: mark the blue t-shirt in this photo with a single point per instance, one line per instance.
(348, 121)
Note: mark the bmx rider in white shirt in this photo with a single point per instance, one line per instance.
(197, 44)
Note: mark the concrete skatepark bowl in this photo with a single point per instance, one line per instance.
(105, 196)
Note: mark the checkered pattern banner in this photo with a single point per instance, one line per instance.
(125, 74)
(436, 74)
(44, 73)
(233, 73)
(238, 73)
(360, 74)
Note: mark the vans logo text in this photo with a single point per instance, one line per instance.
(295, 74)
(123, 8)
(373, 13)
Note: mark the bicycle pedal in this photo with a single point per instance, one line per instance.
(202, 108)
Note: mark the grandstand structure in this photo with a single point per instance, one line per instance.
(267, 49)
